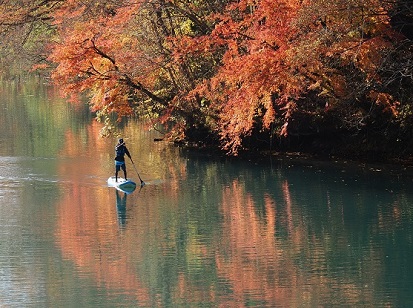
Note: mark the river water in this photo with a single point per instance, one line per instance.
(203, 232)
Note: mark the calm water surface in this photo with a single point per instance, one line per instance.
(202, 232)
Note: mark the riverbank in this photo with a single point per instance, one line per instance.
(369, 163)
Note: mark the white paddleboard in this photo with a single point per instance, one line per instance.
(122, 184)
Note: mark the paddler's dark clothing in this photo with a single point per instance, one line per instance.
(121, 150)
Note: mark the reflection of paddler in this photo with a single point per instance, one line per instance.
(121, 208)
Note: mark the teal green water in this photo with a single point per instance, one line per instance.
(203, 231)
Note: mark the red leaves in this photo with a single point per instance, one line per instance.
(253, 67)
(96, 54)
(247, 66)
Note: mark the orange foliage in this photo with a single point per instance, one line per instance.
(386, 101)
(276, 52)
(253, 67)
(99, 55)
(241, 68)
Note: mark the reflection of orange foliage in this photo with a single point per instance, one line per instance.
(264, 268)
(252, 242)
(387, 220)
(87, 231)
(86, 234)
(265, 252)
(87, 143)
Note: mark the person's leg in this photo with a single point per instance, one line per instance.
(124, 171)
(117, 168)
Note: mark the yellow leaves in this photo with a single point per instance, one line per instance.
(186, 27)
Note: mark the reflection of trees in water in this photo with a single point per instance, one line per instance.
(224, 239)
(273, 259)
(121, 207)
(85, 230)
(36, 117)
(305, 245)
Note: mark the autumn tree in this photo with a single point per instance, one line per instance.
(356, 43)
(252, 84)
(235, 72)
(123, 58)
(25, 30)
(100, 54)
(298, 68)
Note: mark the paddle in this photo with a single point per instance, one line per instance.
(142, 182)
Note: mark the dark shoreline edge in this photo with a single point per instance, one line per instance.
(393, 165)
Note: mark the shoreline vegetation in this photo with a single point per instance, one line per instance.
(328, 79)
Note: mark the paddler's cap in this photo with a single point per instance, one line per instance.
(120, 140)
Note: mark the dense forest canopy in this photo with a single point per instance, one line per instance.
(310, 75)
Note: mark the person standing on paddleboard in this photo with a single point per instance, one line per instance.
(121, 150)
